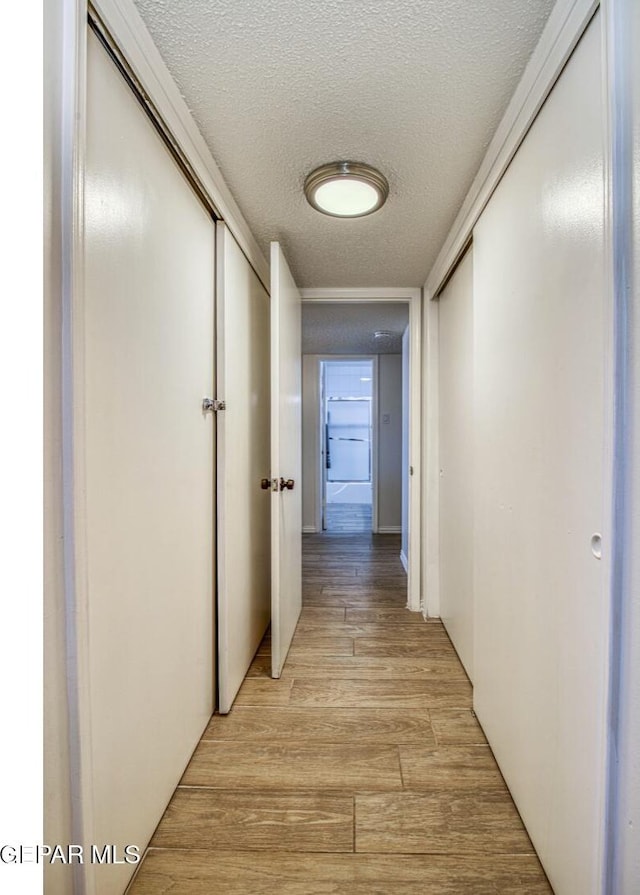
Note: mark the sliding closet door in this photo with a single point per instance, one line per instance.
(541, 593)
(455, 382)
(149, 502)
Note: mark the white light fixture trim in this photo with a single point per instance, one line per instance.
(346, 189)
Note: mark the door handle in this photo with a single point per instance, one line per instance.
(269, 484)
(286, 484)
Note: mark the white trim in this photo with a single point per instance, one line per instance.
(404, 561)
(320, 472)
(620, 869)
(309, 530)
(134, 41)
(414, 299)
(431, 479)
(389, 529)
(360, 293)
(563, 30)
(73, 437)
(375, 446)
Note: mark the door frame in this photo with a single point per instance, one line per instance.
(412, 298)
(320, 473)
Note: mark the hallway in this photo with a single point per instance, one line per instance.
(362, 769)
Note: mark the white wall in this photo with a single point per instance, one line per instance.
(542, 601)
(456, 428)
(57, 798)
(389, 442)
(406, 397)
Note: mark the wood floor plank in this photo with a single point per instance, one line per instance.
(321, 646)
(354, 600)
(261, 665)
(450, 822)
(418, 648)
(416, 632)
(381, 582)
(322, 614)
(287, 766)
(381, 693)
(369, 668)
(449, 767)
(320, 578)
(206, 818)
(322, 565)
(390, 726)
(367, 589)
(258, 691)
(385, 616)
(213, 872)
(456, 727)
(310, 592)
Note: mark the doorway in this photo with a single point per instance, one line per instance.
(359, 325)
(348, 477)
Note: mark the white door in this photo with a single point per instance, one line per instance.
(542, 624)
(243, 460)
(286, 459)
(147, 484)
(456, 417)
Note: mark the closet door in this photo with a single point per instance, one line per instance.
(541, 588)
(455, 382)
(149, 468)
(244, 510)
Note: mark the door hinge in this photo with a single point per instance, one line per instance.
(209, 405)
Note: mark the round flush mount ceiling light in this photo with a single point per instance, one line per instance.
(346, 189)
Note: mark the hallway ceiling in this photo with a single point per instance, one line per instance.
(414, 87)
(349, 328)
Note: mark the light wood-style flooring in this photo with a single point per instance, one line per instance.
(348, 517)
(361, 771)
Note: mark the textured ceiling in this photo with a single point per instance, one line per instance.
(414, 87)
(349, 328)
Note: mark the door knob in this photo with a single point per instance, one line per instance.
(269, 484)
(286, 484)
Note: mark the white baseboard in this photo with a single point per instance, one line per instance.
(389, 529)
(404, 561)
(309, 530)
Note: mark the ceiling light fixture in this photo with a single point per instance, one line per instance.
(346, 189)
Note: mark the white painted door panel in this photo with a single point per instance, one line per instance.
(286, 458)
(542, 621)
(149, 501)
(455, 324)
(244, 520)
